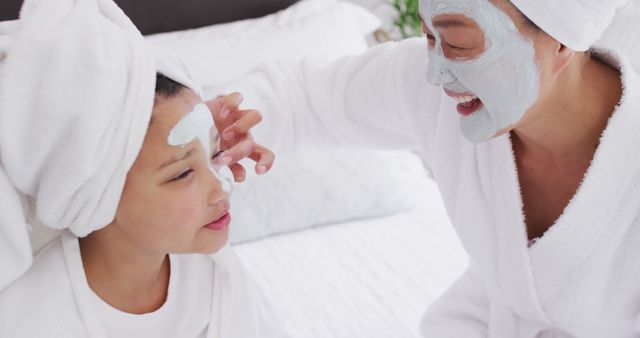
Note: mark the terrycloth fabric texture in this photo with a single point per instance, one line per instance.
(579, 280)
(76, 96)
(577, 24)
(63, 305)
(172, 66)
(623, 33)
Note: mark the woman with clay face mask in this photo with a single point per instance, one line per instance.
(532, 136)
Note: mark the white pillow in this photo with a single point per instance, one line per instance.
(313, 188)
(326, 29)
(318, 188)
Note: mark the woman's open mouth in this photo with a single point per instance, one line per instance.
(221, 223)
(467, 103)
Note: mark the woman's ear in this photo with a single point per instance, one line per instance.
(562, 57)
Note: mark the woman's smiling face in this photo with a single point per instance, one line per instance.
(478, 53)
(172, 201)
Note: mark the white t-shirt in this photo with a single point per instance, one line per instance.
(186, 312)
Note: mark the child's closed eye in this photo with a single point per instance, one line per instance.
(188, 172)
(182, 175)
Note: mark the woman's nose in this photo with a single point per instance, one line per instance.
(438, 75)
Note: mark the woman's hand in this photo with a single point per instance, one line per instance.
(234, 126)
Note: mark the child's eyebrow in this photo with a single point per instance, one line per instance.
(177, 159)
(184, 156)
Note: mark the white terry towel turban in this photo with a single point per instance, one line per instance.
(76, 93)
(622, 35)
(577, 24)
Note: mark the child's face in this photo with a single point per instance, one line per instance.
(170, 193)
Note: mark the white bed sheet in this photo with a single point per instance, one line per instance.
(368, 278)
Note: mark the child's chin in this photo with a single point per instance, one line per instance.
(212, 246)
(212, 251)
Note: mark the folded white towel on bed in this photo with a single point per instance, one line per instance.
(577, 24)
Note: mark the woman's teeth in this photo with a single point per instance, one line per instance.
(465, 99)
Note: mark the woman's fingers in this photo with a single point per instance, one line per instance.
(264, 158)
(235, 125)
(244, 121)
(243, 148)
(221, 106)
(232, 103)
(239, 173)
(216, 105)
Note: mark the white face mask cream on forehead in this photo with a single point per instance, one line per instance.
(198, 124)
(503, 81)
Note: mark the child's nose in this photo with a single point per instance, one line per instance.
(221, 183)
(226, 179)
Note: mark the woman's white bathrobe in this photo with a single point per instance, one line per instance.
(582, 279)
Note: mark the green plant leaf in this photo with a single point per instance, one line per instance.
(408, 21)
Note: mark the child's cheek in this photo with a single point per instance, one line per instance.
(184, 212)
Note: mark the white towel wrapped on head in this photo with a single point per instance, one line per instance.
(622, 35)
(76, 96)
(577, 24)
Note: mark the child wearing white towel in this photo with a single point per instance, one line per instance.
(133, 177)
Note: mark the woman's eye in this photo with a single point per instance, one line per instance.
(456, 47)
(184, 174)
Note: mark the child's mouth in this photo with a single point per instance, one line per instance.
(221, 223)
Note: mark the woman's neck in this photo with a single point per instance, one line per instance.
(122, 273)
(568, 124)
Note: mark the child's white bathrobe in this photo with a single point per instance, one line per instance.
(582, 279)
(53, 299)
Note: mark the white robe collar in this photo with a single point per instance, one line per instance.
(608, 196)
(602, 201)
(499, 181)
(238, 309)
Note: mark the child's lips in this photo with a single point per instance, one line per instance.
(221, 223)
